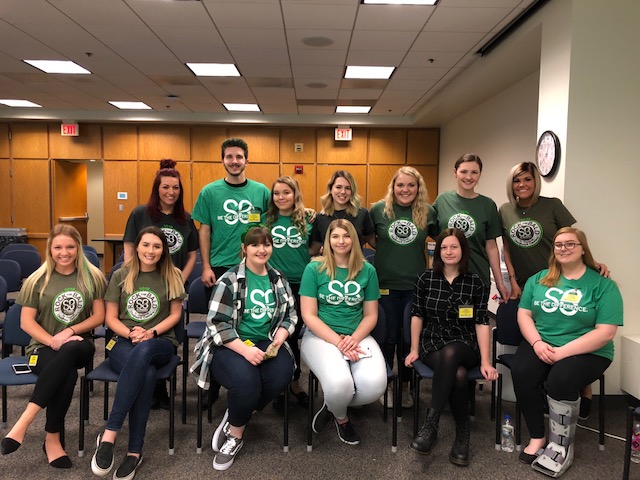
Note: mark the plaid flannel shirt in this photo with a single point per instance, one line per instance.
(226, 308)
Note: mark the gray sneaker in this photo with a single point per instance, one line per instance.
(220, 435)
(227, 454)
(321, 419)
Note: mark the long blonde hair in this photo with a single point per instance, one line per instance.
(90, 278)
(555, 269)
(419, 209)
(355, 201)
(169, 273)
(298, 215)
(356, 257)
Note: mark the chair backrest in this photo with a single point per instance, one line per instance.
(369, 255)
(3, 294)
(89, 248)
(17, 246)
(113, 269)
(195, 273)
(92, 257)
(29, 260)
(507, 329)
(379, 332)
(198, 301)
(12, 332)
(12, 273)
(121, 257)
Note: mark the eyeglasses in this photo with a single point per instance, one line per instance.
(567, 245)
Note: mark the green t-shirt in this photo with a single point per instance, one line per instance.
(258, 308)
(62, 305)
(400, 249)
(290, 249)
(478, 219)
(573, 307)
(226, 208)
(530, 232)
(147, 306)
(340, 301)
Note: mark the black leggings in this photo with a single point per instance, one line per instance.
(57, 376)
(563, 381)
(292, 340)
(451, 365)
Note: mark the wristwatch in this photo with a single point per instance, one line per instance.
(155, 333)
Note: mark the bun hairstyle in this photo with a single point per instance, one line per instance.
(167, 169)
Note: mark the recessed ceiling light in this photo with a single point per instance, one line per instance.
(214, 69)
(352, 109)
(19, 103)
(400, 2)
(369, 72)
(58, 66)
(131, 105)
(242, 107)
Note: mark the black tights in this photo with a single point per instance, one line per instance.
(450, 366)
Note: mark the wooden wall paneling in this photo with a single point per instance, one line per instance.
(263, 142)
(205, 143)
(156, 142)
(120, 142)
(5, 193)
(29, 140)
(387, 146)
(379, 178)
(289, 137)
(4, 140)
(423, 147)
(119, 176)
(332, 152)
(204, 174)
(430, 175)
(307, 183)
(325, 172)
(86, 146)
(265, 173)
(147, 174)
(31, 195)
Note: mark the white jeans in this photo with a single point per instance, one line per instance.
(345, 383)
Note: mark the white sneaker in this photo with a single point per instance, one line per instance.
(220, 435)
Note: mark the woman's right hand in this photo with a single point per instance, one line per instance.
(544, 351)
(60, 339)
(516, 291)
(410, 358)
(254, 355)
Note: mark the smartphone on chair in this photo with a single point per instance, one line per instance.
(21, 368)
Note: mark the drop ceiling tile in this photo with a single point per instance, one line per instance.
(455, 19)
(440, 59)
(317, 57)
(250, 38)
(252, 15)
(319, 16)
(393, 17)
(383, 40)
(446, 41)
(318, 72)
(375, 58)
(258, 56)
(340, 38)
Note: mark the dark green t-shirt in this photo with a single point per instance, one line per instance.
(340, 300)
(258, 308)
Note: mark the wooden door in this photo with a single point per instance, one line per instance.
(69, 194)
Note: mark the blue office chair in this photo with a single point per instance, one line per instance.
(4, 303)
(195, 273)
(420, 371)
(13, 335)
(12, 273)
(104, 373)
(17, 246)
(28, 260)
(113, 269)
(92, 257)
(89, 248)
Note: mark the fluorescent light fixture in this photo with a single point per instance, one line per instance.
(19, 103)
(131, 105)
(242, 107)
(352, 109)
(369, 72)
(214, 69)
(58, 66)
(400, 2)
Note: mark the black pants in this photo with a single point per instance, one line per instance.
(563, 381)
(292, 340)
(451, 365)
(57, 376)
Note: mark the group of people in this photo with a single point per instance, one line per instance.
(271, 266)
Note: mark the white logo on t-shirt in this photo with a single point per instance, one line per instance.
(348, 292)
(236, 211)
(464, 222)
(286, 236)
(263, 303)
(403, 232)
(174, 239)
(526, 233)
(67, 305)
(142, 305)
(568, 302)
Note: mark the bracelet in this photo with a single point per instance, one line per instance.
(71, 328)
(539, 340)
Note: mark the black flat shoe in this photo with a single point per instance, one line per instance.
(9, 445)
(301, 397)
(61, 462)
(527, 458)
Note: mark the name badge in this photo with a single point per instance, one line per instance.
(249, 343)
(33, 360)
(465, 312)
(384, 291)
(111, 344)
(254, 216)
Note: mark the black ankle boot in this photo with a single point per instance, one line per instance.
(428, 433)
(460, 451)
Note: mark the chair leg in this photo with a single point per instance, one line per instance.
(310, 414)
(185, 371)
(498, 415)
(83, 413)
(518, 428)
(627, 446)
(394, 420)
(416, 402)
(472, 398)
(4, 406)
(199, 423)
(601, 415)
(492, 413)
(285, 444)
(172, 412)
(105, 404)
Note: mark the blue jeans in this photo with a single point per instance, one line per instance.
(137, 365)
(250, 387)
(393, 306)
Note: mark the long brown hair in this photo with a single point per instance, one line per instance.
(355, 201)
(356, 257)
(298, 218)
(555, 269)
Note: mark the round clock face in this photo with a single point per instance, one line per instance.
(548, 153)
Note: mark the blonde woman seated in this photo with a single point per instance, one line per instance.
(339, 302)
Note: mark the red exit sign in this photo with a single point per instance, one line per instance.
(69, 130)
(344, 134)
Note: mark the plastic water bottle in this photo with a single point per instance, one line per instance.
(635, 442)
(507, 443)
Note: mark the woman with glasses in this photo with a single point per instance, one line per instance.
(568, 316)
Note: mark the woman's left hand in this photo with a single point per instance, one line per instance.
(347, 344)
(604, 270)
(488, 372)
(60, 339)
(74, 338)
(138, 334)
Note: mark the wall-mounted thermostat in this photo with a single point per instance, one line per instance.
(122, 195)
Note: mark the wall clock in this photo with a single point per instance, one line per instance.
(548, 153)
